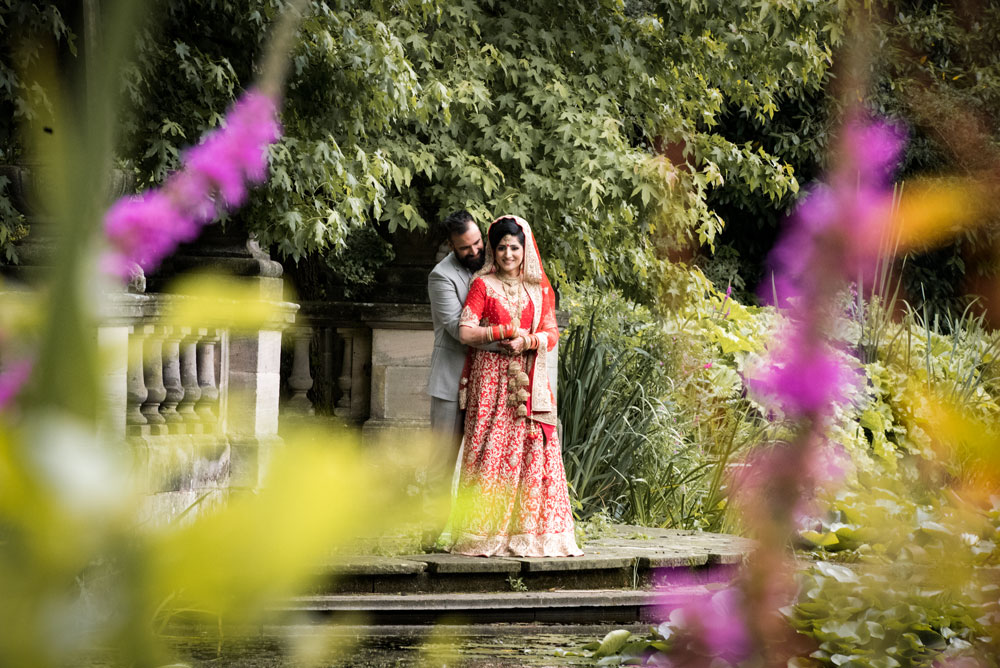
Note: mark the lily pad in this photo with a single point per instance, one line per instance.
(612, 643)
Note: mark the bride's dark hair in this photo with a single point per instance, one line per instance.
(502, 228)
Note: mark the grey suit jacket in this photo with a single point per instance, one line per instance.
(447, 287)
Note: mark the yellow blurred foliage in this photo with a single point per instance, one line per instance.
(930, 211)
(965, 444)
(74, 520)
(322, 491)
(210, 300)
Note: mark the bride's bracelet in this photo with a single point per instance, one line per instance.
(500, 332)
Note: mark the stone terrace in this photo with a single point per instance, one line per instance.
(624, 575)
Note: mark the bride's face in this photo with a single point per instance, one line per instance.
(509, 255)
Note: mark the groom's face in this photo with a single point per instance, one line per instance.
(468, 248)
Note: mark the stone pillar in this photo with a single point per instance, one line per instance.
(401, 346)
(136, 388)
(207, 406)
(344, 380)
(189, 380)
(113, 343)
(361, 374)
(254, 389)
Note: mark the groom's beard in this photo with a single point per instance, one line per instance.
(473, 262)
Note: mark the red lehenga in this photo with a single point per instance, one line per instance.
(513, 497)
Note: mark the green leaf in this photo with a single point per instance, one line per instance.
(612, 643)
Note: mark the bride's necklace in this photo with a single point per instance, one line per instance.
(513, 294)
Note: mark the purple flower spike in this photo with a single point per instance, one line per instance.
(12, 380)
(804, 379)
(874, 148)
(144, 229)
(714, 622)
(228, 159)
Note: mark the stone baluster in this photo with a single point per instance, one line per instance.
(172, 380)
(208, 404)
(135, 393)
(343, 408)
(327, 353)
(300, 381)
(189, 379)
(152, 371)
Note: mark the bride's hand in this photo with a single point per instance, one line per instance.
(514, 345)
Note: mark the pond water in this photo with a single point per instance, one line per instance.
(485, 646)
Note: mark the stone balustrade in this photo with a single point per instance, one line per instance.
(197, 404)
(366, 364)
(330, 371)
(172, 386)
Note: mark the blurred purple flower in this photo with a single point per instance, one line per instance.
(12, 380)
(144, 229)
(803, 377)
(874, 148)
(712, 622)
(846, 216)
(833, 235)
(237, 154)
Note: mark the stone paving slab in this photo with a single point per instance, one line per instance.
(457, 563)
(672, 559)
(376, 565)
(552, 607)
(596, 559)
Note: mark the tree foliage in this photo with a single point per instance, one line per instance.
(23, 98)
(933, 67)
(599, 121)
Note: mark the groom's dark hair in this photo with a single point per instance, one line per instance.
(457, 223)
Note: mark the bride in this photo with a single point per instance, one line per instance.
(513, 498)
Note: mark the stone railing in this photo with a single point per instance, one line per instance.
(364, 363)
(367, 364)
(197, 404)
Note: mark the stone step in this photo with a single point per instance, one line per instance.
(612, 606)
(623, 557)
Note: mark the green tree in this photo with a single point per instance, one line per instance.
(599, 121)
(934, 68)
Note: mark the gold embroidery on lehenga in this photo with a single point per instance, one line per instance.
(538, 520)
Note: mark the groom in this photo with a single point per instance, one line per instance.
(447, 286)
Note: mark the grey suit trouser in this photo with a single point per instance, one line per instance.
(447, 423)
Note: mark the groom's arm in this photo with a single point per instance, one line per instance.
(448, 307)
